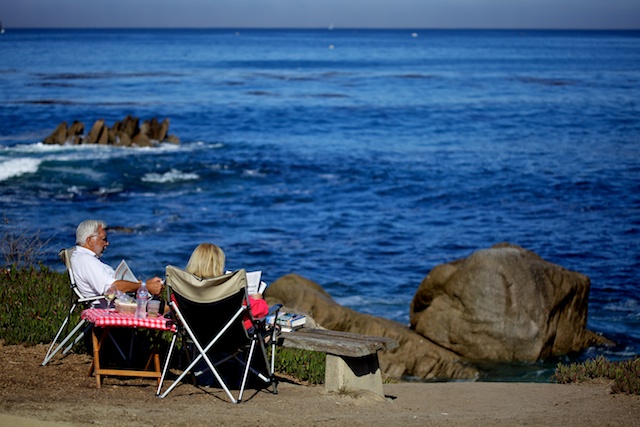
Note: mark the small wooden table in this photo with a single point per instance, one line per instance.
(105, 320)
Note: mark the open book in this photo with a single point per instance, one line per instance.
(254, 284)
(123, 272)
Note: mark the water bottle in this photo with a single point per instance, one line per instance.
(142, 297)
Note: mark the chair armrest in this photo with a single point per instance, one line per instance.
(94, 298)
(274, 309)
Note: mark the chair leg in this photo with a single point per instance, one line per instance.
(54, 349)
(49, 355)
(269, 364)
(272, 371)
(78, 338)
(246, 369)
(166, 364)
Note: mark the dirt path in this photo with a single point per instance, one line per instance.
(61, 394)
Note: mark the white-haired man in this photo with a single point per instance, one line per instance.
(93, 277)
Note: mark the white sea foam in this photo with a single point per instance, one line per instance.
(253, 173)
(173, 175)
(330, 176)
(16, 167)
(629, 305)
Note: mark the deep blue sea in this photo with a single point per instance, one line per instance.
(359, 159)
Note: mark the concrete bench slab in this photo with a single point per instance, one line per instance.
(352, 359)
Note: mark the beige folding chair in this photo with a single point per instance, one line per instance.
(209, 313)
(76, 301)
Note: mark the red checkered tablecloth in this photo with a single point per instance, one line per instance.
(109, 318)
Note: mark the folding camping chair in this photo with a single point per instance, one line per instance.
(76, 301)
(209, 313)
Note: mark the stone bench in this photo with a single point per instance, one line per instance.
(352, 359)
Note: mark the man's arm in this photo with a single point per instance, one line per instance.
(153, 285)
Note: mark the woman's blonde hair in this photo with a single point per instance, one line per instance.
(207, 260)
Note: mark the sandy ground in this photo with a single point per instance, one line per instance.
(61, 394)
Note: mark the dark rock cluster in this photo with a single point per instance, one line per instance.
(128, 132)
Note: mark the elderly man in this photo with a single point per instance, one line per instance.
(93, 276)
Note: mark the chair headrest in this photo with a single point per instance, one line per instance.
(65, 256)
(205, 290)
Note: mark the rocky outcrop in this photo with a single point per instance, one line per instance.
(416, 356)
(504, 304)
(128, 132)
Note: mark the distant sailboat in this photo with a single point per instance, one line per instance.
(1, 28)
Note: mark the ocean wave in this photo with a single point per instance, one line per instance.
(71, 153)
(42, 148)
(629, 306)
(173, 175)
(253, 173)
(16, 167)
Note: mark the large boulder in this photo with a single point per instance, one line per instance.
(416, 356)
(504, 304)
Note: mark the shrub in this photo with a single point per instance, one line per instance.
(20, 247)
(35, 301)
(302, 364)
(625, 374)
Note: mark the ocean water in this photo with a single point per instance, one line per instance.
(359, 159)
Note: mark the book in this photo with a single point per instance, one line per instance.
(291, 320)
(254, 283)
(123, 272)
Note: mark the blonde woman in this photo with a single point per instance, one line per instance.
(207, 261)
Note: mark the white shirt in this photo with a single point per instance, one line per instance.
(92, 276)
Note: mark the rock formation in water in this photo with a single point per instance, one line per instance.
(504, 304)
(129, 132)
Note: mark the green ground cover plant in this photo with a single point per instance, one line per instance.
(625, 375)
(304, 365)
(35, 301)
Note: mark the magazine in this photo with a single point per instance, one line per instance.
(123, 272)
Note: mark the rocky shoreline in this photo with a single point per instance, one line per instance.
(503, 304)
